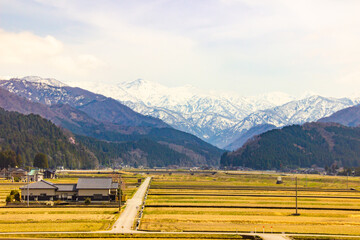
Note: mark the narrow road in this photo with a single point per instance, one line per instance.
(127, 217)
(273, 237)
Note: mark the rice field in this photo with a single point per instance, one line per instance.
(252, 202)
(56, 219)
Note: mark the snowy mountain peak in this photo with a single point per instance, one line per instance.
(48, 81)
(39, 80)
(308, 94)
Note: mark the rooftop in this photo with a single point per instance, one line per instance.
(66, 187)
(94, 183)
(40, 185)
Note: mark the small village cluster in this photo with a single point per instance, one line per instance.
(38, 189)
(22, 175)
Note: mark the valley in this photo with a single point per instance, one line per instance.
(180, 120)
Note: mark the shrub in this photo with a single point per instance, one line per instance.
(9, 198)
(87, 201)
(14, 195)
(13, 192)
(17, 197)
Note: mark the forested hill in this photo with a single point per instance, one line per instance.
(299, 146)
(28, 135)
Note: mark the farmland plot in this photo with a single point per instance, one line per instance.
(243, 203)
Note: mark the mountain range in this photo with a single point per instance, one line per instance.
(107, 120)
(114, 131)
(225, 120)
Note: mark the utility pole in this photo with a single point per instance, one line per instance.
(347, 181)
(28, 190)
(296, 197)
(119, 181)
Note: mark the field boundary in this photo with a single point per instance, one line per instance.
(254, 207)
(245, 195)
(212, 187)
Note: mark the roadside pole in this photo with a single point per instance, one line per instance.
(296, 197)
(119, 181)
(28, 190)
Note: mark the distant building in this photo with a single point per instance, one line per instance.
(17, 173)
(50, 174)
(3, 173)
(97, 189)
(35, 175)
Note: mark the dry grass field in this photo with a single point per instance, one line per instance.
(56, 219)
(247, 202)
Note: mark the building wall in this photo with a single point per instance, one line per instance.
(70, 193)
(91, 192)
(37, 192)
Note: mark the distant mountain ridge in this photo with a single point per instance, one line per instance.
(97, 116)
(220, 118)
(321, 144)
(54, 92)
(348, 117)
(224, 120)
(301, 111)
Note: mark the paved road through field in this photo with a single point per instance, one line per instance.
(273, 237)
(127, 217)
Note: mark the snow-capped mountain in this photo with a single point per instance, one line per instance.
(141, 138)
(189, 109)
(309, 109)
(51, 92)
(220, 118)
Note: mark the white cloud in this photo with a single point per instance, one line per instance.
(249, 46)
(25, 50)
(22, 47)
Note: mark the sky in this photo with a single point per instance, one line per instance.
(245, 46)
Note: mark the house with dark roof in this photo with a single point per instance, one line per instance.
(97, 189)
(17, 174)
(50, 173)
